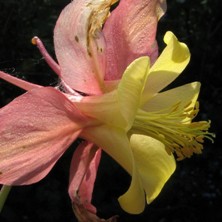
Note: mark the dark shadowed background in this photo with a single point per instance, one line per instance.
(194, 192)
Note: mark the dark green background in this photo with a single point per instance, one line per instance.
(194, 193)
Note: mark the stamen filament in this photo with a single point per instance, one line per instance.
(174, 128)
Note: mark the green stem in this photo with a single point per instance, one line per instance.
(3, 195)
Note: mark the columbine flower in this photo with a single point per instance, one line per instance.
(123, 111)
(149, 125)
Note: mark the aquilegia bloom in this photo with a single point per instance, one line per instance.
(111, 95)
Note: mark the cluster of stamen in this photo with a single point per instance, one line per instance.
(175, 129)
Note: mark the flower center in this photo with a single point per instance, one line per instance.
(175, 129)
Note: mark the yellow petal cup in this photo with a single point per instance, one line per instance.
(142, 127)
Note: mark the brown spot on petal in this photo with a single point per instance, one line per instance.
(89, 53)
(76, 38)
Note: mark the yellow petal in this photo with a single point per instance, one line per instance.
(133, 201)
(119, 107)
(186, 94)
(115, 142)
(154, 165)
(167, 67)
(104, 108)
(131, 87)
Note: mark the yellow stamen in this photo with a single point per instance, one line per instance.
(174, 128)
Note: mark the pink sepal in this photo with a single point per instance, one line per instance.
(35, 130)
(82, 65)
(83, 172)
(130, 32)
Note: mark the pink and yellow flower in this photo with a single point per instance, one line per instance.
(112, 96)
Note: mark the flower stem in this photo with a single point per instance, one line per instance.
(3, 195)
